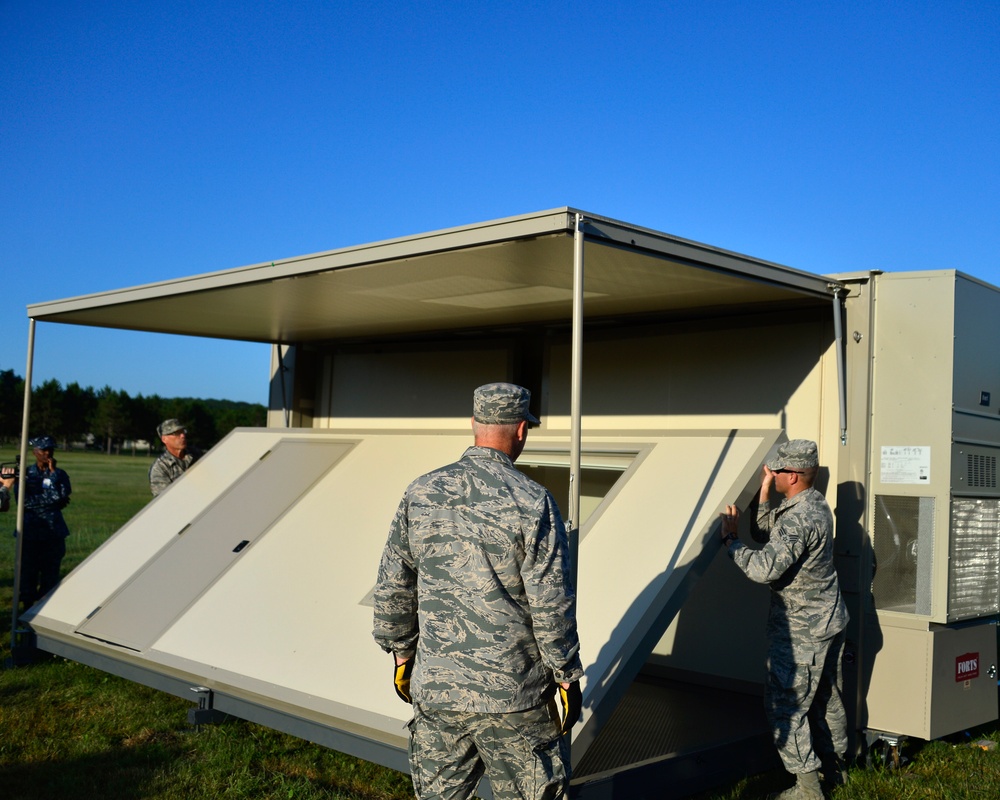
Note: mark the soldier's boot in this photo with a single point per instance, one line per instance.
(806, 787)
(834, 771)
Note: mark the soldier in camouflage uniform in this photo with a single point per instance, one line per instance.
(46, 493)
(475, 602)
(807, 617)
(176, 457)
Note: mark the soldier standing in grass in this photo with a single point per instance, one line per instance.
(475, 602)
(46, 490)
(807, 618)
(176, 457)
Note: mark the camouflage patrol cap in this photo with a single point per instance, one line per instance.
(502, 404)
(795, 454)
(42, 443)
(169, 426)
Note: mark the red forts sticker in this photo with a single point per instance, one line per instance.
(967, 667)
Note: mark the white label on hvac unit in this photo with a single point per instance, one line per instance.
(906, 464)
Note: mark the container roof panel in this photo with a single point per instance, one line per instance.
(510, 272)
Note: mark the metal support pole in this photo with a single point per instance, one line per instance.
(576, 365)
(575, 391)
(838, 335)
(19, 539)
(283, 372)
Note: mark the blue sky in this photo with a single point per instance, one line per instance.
(145, 141)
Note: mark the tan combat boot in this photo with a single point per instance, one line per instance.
(806, 788)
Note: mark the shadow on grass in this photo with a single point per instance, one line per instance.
(754, 787)
(126, 773)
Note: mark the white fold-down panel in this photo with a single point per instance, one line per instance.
(160, 593)
(252, 575)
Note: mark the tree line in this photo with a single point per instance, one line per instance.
(106, 418)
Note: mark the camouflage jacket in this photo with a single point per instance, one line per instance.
(46, 494)
(167, 468)
(475, 577)
(797, 563)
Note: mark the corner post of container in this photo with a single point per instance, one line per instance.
(838, 335)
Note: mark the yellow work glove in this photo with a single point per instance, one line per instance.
(401, 680)
(571, 701)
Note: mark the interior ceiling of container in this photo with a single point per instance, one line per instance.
(510, 273)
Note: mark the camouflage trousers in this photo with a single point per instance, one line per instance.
(521, 752)
(804, 702)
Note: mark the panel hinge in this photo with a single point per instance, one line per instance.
(205, 713)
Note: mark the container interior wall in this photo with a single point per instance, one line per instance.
(595, 483)
(411, 381)
(752, 371)
(699, 375)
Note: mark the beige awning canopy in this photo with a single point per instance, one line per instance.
(516, 272)
(508, 272)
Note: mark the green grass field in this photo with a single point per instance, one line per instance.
(70, 731)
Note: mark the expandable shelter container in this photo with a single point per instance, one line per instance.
(663, 372)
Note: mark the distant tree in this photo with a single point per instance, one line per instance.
(147, 414)
(69, 414)
(47, 411)
(110, 418)
(229, 415)
(78, 408)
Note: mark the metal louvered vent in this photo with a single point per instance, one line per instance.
(982, 471)
(974, 558)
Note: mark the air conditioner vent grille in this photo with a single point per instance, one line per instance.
(982, 471)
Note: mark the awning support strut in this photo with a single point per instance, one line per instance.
(838, 335)
(573, 518)
(16, 630)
